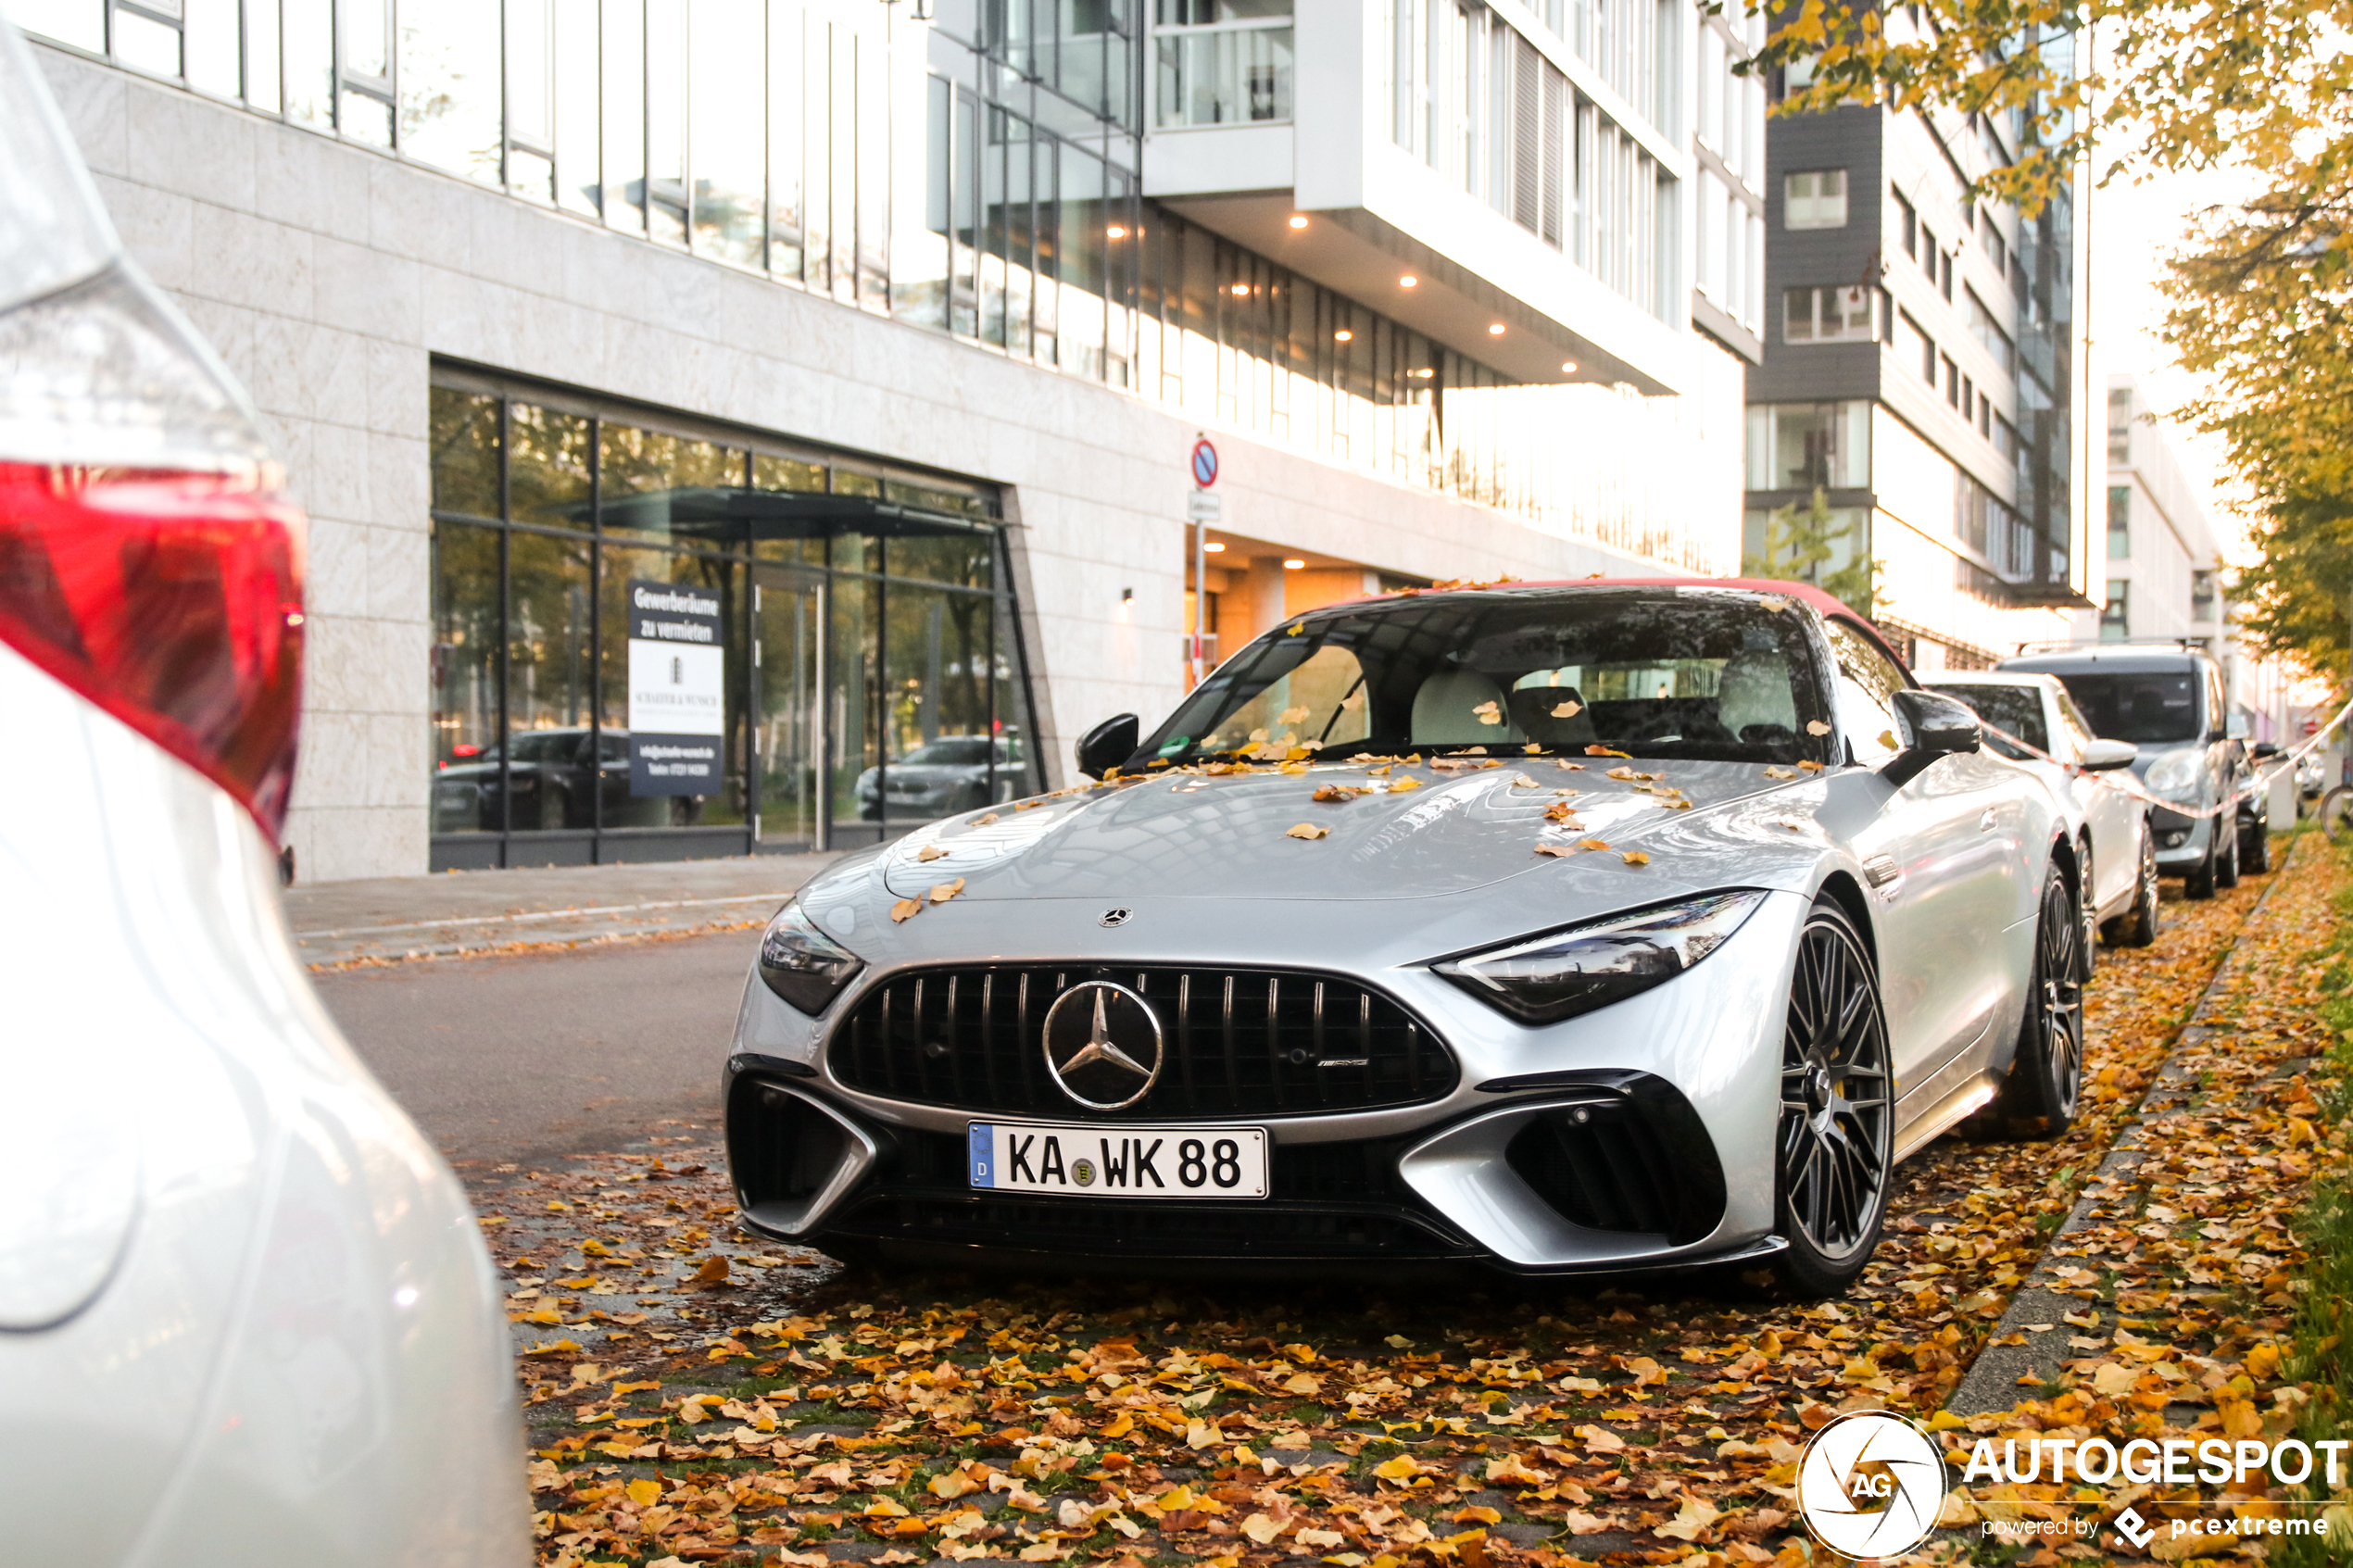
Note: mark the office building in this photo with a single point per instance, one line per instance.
(1925, 374)
(861, 347)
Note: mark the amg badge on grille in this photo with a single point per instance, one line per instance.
(1102, 1044)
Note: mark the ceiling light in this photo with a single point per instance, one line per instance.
(1424, 373)
(1342, 335)
(1240, 289)
(1494, 328)
(1297, 221)
(1294, 564)
(1116, 231)
(1215, 548)
(1407, 281)
(1568, 367)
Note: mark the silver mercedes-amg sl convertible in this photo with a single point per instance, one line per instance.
(1590, 927)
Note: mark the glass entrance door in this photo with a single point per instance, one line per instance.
(787, 660)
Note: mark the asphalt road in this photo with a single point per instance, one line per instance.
(531, 1057)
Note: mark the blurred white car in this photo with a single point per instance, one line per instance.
(245, 1315)
(2111, 827)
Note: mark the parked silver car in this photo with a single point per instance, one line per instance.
(1376, 951)
(245, 1316)
(2115, 845)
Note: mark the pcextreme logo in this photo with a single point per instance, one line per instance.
(1871, 1484)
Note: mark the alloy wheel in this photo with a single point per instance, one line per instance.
(2058, 975)
(1835, 1110)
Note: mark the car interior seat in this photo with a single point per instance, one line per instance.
(1533, 699)
(1445, 710)
(1754, 699)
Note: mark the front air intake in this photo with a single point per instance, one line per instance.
(1641, 1164)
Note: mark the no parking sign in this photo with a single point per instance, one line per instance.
(1204, 464)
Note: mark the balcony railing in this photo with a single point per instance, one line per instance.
(1226, 73)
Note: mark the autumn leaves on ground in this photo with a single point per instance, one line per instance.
(695, 1398)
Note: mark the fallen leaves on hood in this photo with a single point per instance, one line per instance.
(1306, 830)
(1774, 602)
(1399, 785)
(1809, 767)
(1561, 850)
(1604, 751)
(1488, 714)
(931, 852)
(1335, 792)
(906, 909)
(942, 892)
(1591, 844)
(1773, 772)
(1293, 716)
(1351, 702)
(984, 821)
(1815, 727)
(1635, 857)
(1568, 710)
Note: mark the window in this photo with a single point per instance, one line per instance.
(1805, 445)
(1830, 315)
(1984, 327)
(2005, 437)
(1945, 275)
(2120, 522)
(1229, 62)
(1907, 225)
(2120, 425)
(2116, 620)
(1912, 346)
(1927, 252)
(1996, 248)
(1952, 380)
(2202, 596)
(1814, 199)
(1867, 681)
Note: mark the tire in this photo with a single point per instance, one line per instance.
(2257, 860)
(2045, 1082)
(2336, 813)
(2226, 873)
(1832, 1147)
(2136, 927)
(2199, 884)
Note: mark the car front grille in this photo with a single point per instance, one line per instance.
(1235, 1043)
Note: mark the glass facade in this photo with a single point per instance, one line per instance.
(867, 674)
(978, 175)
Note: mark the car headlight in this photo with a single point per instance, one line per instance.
(2177, 775)
(802, 965)
(1559, 976)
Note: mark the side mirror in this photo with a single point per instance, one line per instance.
(2265, 750)
(1936, 726)
(2103, 756)
(1107, 745)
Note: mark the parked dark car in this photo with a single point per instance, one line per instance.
(951, 773)
(555, 783)
(2169, 702)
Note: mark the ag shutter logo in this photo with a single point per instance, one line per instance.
(1871, 1484)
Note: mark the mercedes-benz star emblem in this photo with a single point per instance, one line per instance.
(1113, 917)
(1102, 1044)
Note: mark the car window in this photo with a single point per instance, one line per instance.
(546, 745)
(2018, 710)
(954, 751)
(2144, 707)
(2076, 729)
(1867, 681)
(1693, 674)
(1316, 700)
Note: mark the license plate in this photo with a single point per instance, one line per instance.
(1097, 1161)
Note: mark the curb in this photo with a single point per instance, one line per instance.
(1992, 1384)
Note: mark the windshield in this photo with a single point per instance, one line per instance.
(1710, 676)
(2018, 710)
(954, 752)
(2149, 706)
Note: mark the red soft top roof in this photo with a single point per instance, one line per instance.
(1830, 606)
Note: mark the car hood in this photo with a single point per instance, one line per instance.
(1193, 835)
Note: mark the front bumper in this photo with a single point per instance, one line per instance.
(1636, 1137)
(2183, 843)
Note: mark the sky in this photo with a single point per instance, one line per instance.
(2133, 229)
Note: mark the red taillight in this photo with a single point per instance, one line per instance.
(173, 601)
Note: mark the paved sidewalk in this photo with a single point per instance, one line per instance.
(459, 912)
